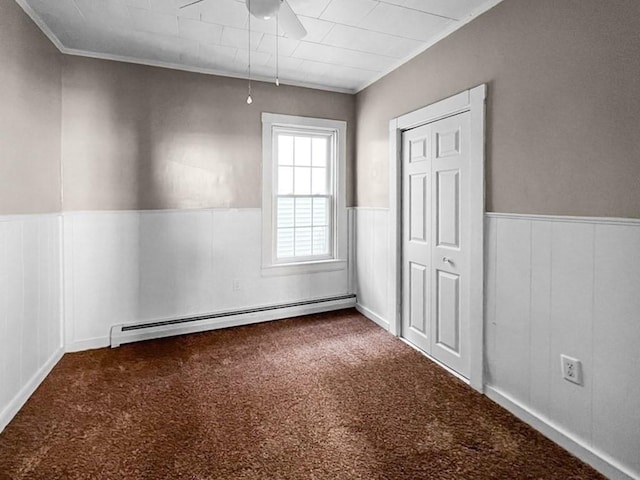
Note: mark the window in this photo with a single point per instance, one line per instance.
(303, 186)
(304, 216)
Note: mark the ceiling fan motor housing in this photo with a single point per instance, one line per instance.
(263, 9)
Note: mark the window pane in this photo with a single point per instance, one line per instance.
(303, 212)
(303, 207)
(320, 151)
(320, 240)
(302, 181)
(285, 246)
(285, 212)
(320, 211)
(319, 180)
(303, 242)
(285, 180)
(285, 150)
(303, 151)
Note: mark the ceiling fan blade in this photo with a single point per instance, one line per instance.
(191, 3)
(290, 22)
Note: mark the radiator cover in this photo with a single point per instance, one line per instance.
(135, 332)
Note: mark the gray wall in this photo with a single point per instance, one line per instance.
(563, 107)
(563, 117)
(138, 137)
(30, 96)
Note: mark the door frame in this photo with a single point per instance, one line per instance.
(473, 101)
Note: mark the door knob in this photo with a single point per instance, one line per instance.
(447, 260)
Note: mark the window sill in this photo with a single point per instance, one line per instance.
(301, 268)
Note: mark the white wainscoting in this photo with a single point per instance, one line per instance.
(135, 266)
(372, 263)
(568, 286)
(553, 285)
(30, 310)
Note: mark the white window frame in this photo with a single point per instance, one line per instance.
(338, 243)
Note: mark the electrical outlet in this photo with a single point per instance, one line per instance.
(571, 369)
(235, 286)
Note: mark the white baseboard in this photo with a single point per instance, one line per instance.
(449, 370)
(120, 336)
(87, 344)
(25, 392)
(598, 460)
(374, 317)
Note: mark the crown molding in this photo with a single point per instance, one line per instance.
(458, 24)
(206, 71)
(41, 24)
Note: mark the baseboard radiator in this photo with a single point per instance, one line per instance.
(136, 332)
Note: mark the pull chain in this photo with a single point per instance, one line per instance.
(249, 99)
(277, 56)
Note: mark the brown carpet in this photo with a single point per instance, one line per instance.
(327, 396)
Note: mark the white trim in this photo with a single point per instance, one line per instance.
(436, 361)
(373, 209)
(169, 210)
(477, 100)
(41, 25)
(87, 344)
(205, 71)
(597, 459)
(303, 268)
(351, 249)
(156, 211)
(298, 121)
(339, 260)
(447, 107)
(23, 217)
(371, 315)
(120, 336)
(27, 390)
(473, 101)
(458, 24)
(394, 283)
(631, 222)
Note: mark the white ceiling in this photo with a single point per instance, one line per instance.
(349, 45)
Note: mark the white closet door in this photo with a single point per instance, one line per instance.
(450, 243)
(436, 240)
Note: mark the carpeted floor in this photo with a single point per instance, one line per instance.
(328, 396)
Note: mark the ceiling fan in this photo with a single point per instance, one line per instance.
(265, 9)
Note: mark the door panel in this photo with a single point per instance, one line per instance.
(418, 149)
(448, 208)
(448, 314)
(418, 207)
(418, 299)
(448, 143)
(416, 218)
(435, 257)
